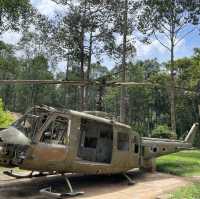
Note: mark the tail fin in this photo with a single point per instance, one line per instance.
(191, 135)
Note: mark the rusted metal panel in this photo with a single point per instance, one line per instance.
(103, 146)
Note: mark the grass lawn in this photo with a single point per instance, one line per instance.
(189, 192)
(16, 169)
(184, 163)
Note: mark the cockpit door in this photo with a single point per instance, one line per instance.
(55, 131)
(53, 145)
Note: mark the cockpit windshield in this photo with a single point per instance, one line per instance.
(31, 121)
(27, 124)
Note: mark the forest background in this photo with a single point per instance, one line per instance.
(91, 39)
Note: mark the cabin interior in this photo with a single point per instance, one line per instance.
(96, 141)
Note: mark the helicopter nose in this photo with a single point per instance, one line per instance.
(13, 136)
(13, 143)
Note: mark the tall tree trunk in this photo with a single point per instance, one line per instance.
(14, 98)
(82, 105)
(32, 95)
(89, 56)
(172, 93)
(65, 86)
(123, 100)
(82, 58)
(89, 69)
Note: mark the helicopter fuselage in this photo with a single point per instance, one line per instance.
(77, 142)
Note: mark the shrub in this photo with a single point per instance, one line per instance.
(163, 131)
(5, 117)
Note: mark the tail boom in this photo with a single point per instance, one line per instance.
(155, 147)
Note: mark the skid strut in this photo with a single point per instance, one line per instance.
(48, 191)
(130, 181)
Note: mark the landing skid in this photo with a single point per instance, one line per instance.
(20, 176)
(48, 191)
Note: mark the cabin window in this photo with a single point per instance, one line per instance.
(55, 133)
(134, 144)
(123, 141)
(154, 149)
(136, 148)
(164, 149)
(143, 150)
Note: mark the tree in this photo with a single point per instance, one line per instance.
(14, 14)
(188, 74)
(123, 100)
(5, 117)
(169, 22)
(34, 68)
(9, 69)
(163, 131)
(80, 35)
(124, 24)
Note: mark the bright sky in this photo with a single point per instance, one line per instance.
(153, 50)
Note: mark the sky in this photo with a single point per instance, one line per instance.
(151, 51)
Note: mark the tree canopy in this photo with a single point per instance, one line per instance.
(14, 14)
(83, 39)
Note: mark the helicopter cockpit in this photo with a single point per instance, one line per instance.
(15, 139)
(32, 121)
(55, 131)
(27, 125)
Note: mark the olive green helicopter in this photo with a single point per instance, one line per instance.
(54, 141)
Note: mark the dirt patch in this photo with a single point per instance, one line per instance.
(148, 186)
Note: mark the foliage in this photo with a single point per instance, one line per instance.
(185, 163)
(169, 22)
(5, 117)
(163, 131)
(189, 192)
(14, 14)
(170, 19)
(78, 38)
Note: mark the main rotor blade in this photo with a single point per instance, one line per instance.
(73, 83)
(149, 84)
(134, 84)
(87, 83)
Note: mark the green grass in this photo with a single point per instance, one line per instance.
(16, 169)
(5, 117)
(184, 163)
(189, 192)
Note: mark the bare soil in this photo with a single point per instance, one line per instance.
(147, 186)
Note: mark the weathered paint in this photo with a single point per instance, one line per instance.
(64, 158)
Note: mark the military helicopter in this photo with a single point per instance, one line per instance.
(54, 141)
